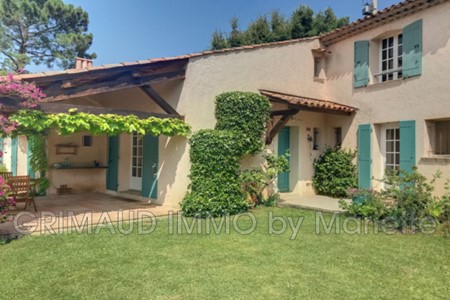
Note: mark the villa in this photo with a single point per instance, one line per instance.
(378, 85)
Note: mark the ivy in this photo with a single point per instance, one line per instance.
(246, 114)
(37, 122)
(216, 184)
(215, 189)
(38, 160)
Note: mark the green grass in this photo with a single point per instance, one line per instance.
(227, 266)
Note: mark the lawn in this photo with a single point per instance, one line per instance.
(227, 265)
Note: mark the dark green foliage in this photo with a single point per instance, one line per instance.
(406, 202)
(275, 27)
(335, 172)
(38, 160)
(216, 187)
(43, 32)
(255, 181)
(371, 206)
(411, 194)
(244, 113)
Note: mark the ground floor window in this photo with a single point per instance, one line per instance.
(392, 149)
(442, 137)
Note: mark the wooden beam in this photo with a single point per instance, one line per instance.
(280, 124)
(159, 100)
(97, 110)
(123, 82)
(284, 112)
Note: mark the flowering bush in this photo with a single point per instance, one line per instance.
(27, 94)
(6, 201)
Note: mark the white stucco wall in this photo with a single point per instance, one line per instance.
(418, 98)
(289, 68)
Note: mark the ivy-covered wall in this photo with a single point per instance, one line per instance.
(215, 188)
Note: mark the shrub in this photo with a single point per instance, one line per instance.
(216, 188)
(256, 181)
(335, 172)
(370, 207)
(6, 202)
(410, 193)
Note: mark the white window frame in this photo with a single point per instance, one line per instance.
(396, 70)
(384, 128)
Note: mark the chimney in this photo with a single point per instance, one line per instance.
(83, 63)
(370, 9)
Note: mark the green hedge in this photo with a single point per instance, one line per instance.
(216, 188)
(335, 172)
(245, 113)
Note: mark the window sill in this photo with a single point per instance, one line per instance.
(385, 84)
(437, 158)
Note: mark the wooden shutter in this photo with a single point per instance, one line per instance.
(407, 145)
(412, 49)
(150, 167)
(364, 156)
(361, 66)
(112, 176)
(283, 148)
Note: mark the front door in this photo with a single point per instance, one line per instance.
(283, 148)
(136, 162)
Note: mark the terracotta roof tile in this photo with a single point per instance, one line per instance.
(308, 102)
(383, 16)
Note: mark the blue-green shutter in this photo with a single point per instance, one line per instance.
(364, 156)
(30, 171)
(283, 147)
(407, 145)
(1, 150)
(14, 153)
(112, 176)
(150, 167)
(361, 64)
(412, 49)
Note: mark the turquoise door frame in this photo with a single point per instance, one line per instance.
(284, 141)
(112, 175)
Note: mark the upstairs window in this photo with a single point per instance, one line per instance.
(391, 58)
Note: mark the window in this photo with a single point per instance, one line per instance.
(316, 139)
(317, 66)
(87, 140)
(392, 150)
(391, 58)
(442, 138)
(338, 136)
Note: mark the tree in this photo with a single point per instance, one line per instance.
(275, 27)
(46, 32)
(302, 22)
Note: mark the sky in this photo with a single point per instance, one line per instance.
(129, 30)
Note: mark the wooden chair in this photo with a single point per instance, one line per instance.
(6, 175)
(21, 190)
